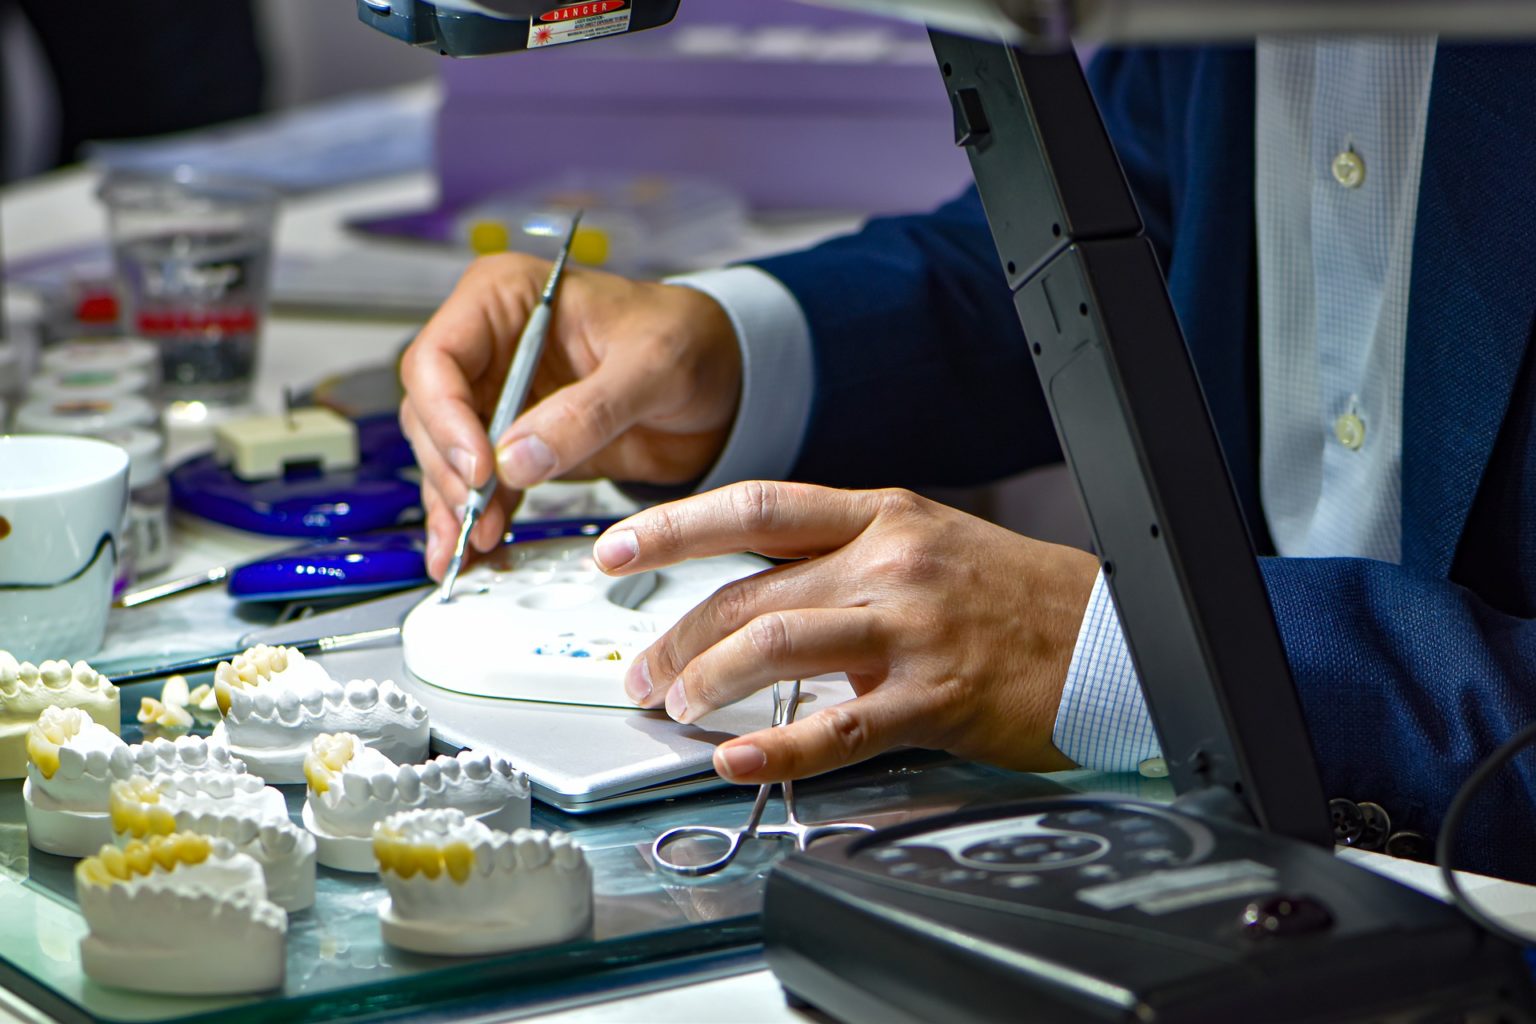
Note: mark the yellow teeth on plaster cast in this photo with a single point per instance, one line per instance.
(239, 808)
(341, 769)
(141, 857)
(444, 843)
(222, 804)
(52, 731)
(242, 693)
(258, 665)
(27, 690)
(457, 887)
(181, 914)
(328, 755)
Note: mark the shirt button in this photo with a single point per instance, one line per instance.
(1350, 431)
(1349, 169)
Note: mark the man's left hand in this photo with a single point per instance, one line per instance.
(955, 633)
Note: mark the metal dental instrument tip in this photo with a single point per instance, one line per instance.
(514, 393)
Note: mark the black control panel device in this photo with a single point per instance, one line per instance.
(1088, 910)
(1229, 904)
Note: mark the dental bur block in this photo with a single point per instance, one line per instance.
(180, 914)
(274, 702)
(26, 690)
(353, 787)
(459, 888)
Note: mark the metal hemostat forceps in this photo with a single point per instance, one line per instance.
(803, 833)
(514, 392)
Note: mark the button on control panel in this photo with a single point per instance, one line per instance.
(1085, 847)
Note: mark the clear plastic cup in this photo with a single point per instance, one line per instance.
(193, 255)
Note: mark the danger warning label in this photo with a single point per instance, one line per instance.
(576, 22)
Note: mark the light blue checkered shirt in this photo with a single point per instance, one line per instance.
(1334, 261)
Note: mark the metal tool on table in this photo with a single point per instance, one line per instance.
(802, 833)
(525, 360)
(317, 645)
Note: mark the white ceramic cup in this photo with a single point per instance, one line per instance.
(61, 514)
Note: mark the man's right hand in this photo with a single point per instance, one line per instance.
(639, 382)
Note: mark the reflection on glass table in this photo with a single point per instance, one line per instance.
(648, 922)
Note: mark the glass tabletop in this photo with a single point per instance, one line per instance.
(339, 966)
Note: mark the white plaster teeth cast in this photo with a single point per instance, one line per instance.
(239, 808)
(459, 888)
(73, 760)
(183, 914)
(352, 787)
(275, 701)
(26, 690)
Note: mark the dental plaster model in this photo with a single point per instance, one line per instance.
(353, 787)
(27, 689)
(182, 914)
(167, 716)
(458, 888)
(239, 808)
(275, 702)
(539, 621)
(73, 760)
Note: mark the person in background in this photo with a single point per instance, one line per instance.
(144, 68)
(1348, 239)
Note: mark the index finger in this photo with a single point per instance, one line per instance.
(471, 333)
(780, 520)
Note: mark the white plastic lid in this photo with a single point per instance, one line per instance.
(103, 354)
(146, 451)
(92, 418)
(82, 384)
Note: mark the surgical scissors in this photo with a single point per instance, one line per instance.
(803, 833)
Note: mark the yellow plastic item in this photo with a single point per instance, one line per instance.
(590, 246)
(488, 236)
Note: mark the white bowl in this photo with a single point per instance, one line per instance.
(61, 514)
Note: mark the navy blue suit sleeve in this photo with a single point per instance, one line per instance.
(1408, 682)
(923, 376)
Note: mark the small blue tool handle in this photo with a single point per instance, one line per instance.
(368, 564)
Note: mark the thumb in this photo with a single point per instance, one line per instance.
(570, 426)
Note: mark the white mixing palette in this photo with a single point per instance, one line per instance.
(539, 621)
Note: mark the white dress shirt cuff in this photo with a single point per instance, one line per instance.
(777, 374)
(1102, 722)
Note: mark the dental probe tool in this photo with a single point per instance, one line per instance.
(525, 360)
(316, 645)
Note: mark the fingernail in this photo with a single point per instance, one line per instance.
(616, 549)
(526, 461)
(739, 759)
(464, 463)
(677, 703)
(637, 681)
(433, 546)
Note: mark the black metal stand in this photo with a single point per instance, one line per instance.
(1134, 426)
